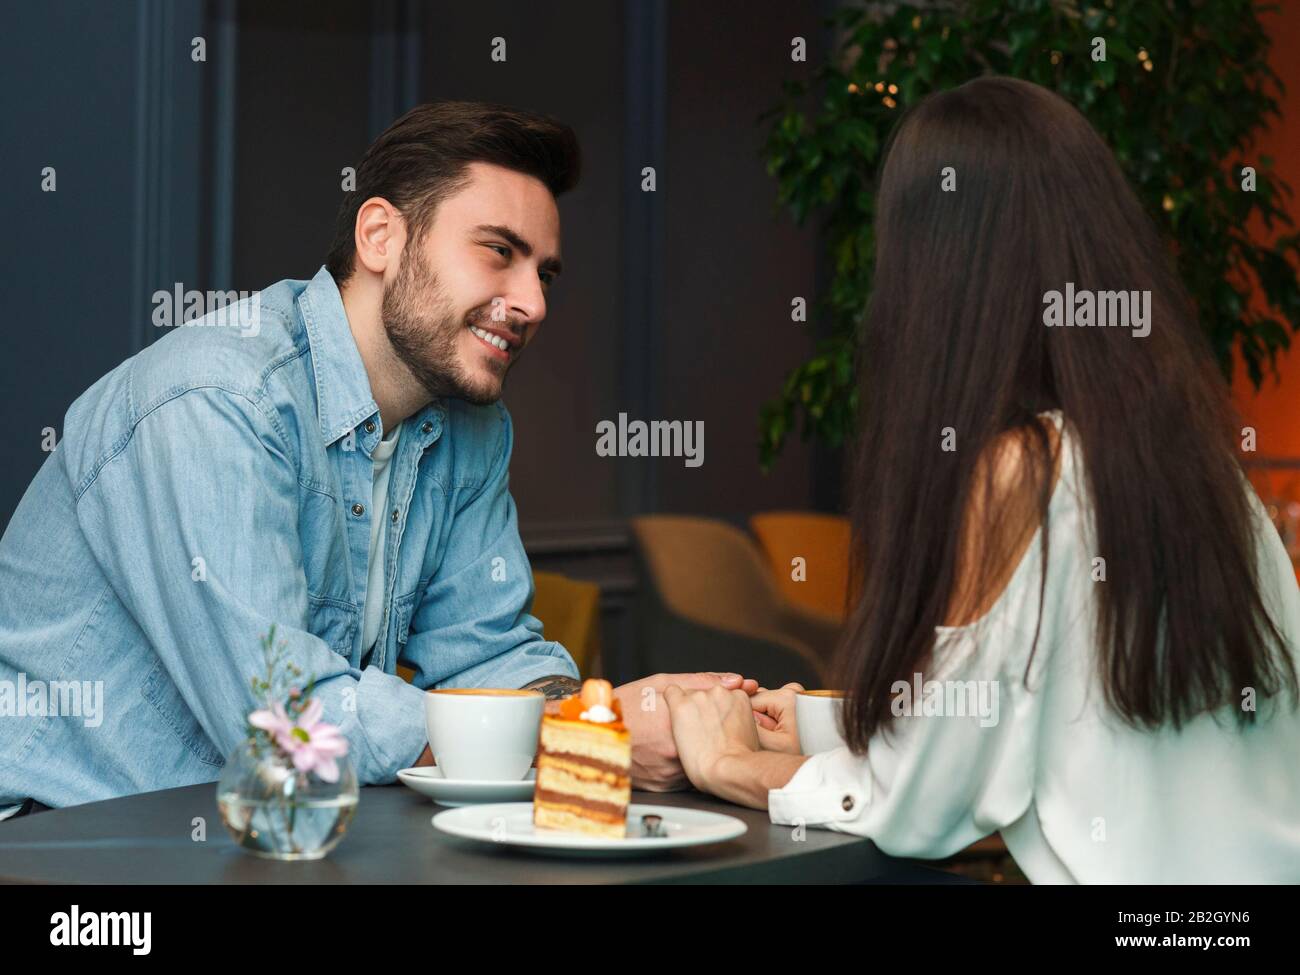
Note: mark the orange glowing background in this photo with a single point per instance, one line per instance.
(1274, 411)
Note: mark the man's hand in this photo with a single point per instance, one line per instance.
(655, 764)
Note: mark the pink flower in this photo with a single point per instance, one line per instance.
(274, 721)
(310, 742)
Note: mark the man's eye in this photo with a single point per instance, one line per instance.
(501, 249)
(547, 277)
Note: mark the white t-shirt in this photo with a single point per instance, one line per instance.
(1078, 796)
(379, 518)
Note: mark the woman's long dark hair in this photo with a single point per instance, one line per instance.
(954, 337)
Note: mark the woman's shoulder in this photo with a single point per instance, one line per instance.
(1014, 483)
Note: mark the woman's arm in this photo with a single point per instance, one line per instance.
(746, 779)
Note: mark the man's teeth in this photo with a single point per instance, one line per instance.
(496, 340)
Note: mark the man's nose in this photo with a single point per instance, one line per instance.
(526, 303)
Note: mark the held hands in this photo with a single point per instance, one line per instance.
(709, 727)
(655, 763)
(717, 731)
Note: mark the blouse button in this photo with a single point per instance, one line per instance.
(847, 803)
(427, 428)
(394, 516)
(358, 509)
(370, 426)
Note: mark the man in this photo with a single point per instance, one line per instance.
(340, 471)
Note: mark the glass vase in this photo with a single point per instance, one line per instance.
(275, 811)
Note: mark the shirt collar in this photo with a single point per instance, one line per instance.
(343, 396)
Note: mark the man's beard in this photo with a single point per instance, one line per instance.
(424, 330)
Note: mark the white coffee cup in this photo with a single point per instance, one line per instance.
(485, 734)
(817, 715)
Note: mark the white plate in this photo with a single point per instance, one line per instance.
(428, 780)
(511, 823)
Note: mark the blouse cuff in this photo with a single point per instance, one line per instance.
(830, 788)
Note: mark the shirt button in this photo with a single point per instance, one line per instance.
(370, 426)
(847, 803)
(358, 509)
(394, 516)
(427, 428)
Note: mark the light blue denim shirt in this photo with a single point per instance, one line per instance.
(218, 482)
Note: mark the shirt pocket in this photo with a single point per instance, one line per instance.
(161, 691)
(403, 610)
(334, 621)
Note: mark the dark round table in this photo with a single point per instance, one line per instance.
(175, 836)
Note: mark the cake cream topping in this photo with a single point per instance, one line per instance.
(597, 702)
(599, 714)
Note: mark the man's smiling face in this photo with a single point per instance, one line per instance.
(469, 295)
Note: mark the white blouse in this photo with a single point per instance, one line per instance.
(1077, 796)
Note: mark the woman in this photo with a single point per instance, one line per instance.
(1054, 512)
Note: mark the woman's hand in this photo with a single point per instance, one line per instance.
(710, 726)
(779, 732)
(717, 737)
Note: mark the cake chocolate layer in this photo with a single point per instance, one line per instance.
(588, 762)
(566, 799)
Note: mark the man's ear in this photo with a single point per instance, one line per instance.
(379, 236)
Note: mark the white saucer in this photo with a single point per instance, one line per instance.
(428, 780)
(511, 823)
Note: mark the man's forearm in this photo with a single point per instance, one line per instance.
(556, 687)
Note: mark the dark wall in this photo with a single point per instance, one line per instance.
(226, 174)
(302, 115)
(67, 313)
(732, 264)
(90, 88)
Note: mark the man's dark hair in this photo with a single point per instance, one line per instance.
(423, 157)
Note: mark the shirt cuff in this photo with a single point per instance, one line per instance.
(830, 789)
(390, 713)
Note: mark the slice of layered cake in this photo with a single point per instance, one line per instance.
(583, 765)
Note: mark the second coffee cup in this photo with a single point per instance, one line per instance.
(817, 715)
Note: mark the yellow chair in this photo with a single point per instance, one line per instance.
(570, 615)
(708, 602)
(822, 541)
